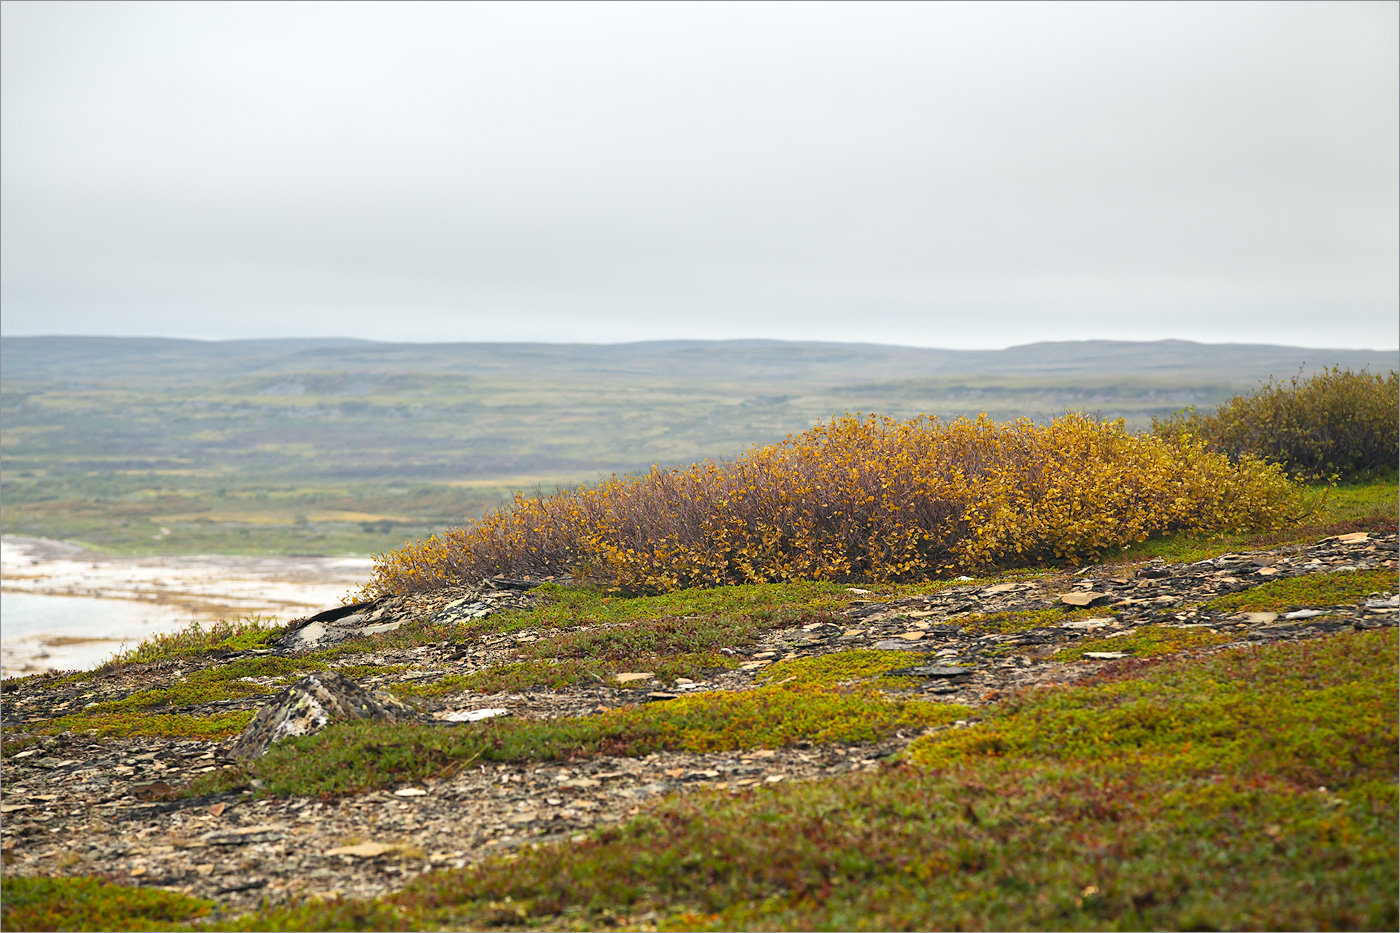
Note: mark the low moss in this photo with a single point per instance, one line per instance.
(841, 667)
(357, 757)
(14, 744)
(362, 671)
(246, 634)
(1278, 711)
(1338, 588)
(139, 722)
(1254, 789)
(93, 904)
(668, 635)
(1025, 620)
(131, 714)
(524, 675)
(1148, 641)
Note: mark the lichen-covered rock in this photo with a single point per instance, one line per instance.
(336, 625)
(311, 704)
(453, 606)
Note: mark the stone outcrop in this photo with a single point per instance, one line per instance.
(311, 704)
(388, 613)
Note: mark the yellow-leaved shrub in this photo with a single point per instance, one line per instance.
(862, 499)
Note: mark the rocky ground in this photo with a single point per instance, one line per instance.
(76, 805)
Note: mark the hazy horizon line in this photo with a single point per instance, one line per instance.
(682, 340)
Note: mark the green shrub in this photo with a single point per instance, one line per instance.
(1336, 423)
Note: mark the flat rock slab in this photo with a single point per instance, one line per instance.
(901, 644)
(246, 835)
(1084, 599)
(311, 704)
(1085, 625)
(471, 715)
(932, 671)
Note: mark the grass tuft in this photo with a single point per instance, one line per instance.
(246, 634)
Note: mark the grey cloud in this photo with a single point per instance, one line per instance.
(941, 174)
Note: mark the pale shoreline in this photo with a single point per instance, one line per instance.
(69, 608)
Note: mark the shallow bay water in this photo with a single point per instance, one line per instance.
(63, 607)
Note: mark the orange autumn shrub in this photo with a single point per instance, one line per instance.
(861, 499)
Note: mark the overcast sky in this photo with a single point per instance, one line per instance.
(951, 175)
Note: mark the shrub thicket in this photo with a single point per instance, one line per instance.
(862, 499)
(1336, 423)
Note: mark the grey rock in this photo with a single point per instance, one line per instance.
(243, 837)
(334, 626)
(899, 644)
(932, 671)
(1304, 614)
(311, 704)
(1085, 624)
(252, 885)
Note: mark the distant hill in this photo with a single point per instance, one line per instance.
(163, 360)
(328, 446)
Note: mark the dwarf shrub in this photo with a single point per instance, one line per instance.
(862, 499)
(1335, 423)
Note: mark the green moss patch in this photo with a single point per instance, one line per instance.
(1251, 790)
(91, 904)
(132, 715)
(669, 635)
(842, 667)
(357, 757)
(557, 675)
(1315, 589)
(570, 606)
(1148, 641)
(1309, 713)
(1010, 623)
(167, 725)
(246, 634)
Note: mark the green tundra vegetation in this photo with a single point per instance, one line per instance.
(1253, 788)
